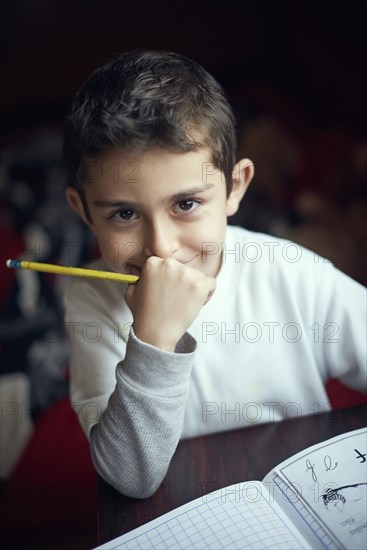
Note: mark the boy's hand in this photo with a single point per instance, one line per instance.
(166, 300)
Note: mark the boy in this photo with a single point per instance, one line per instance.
(225, 327)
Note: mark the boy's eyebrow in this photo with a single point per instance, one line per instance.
(174, 198)
(190, 192)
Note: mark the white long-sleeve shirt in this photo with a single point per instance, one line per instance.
(281, 322)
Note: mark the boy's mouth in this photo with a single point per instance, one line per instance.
(133, 269)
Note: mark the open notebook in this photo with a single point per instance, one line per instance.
(316, 499)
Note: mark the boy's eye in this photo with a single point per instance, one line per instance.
(127, 214)
(186, 206)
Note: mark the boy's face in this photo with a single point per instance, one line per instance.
(159, 203)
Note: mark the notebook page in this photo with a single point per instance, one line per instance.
(330, 481)
(236, 517)
(300, 515)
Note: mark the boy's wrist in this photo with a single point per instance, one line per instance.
(186, 345)
(158, 340)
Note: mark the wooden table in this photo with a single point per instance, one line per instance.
(207, 463)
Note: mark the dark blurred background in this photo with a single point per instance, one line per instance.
(315, 53)
(295, 74)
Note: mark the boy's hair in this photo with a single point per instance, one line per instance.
(145, 99)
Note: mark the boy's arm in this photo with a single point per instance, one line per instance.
(134, 442)
(134, 439)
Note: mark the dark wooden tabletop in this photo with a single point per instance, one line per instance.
(204, 464)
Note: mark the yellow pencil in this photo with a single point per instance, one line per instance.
(73, 271)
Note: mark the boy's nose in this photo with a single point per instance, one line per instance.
(161, 241)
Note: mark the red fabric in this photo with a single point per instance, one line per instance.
(53, 488)
(340, 396)
(11, 247)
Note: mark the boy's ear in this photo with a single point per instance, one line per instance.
(76, 203)
(242, 175)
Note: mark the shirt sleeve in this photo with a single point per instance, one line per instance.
(134, 442)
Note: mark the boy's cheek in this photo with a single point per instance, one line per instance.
(211, 239)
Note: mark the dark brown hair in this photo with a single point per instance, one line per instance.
(144, 99)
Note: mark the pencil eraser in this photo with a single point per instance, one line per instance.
(14, 263)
